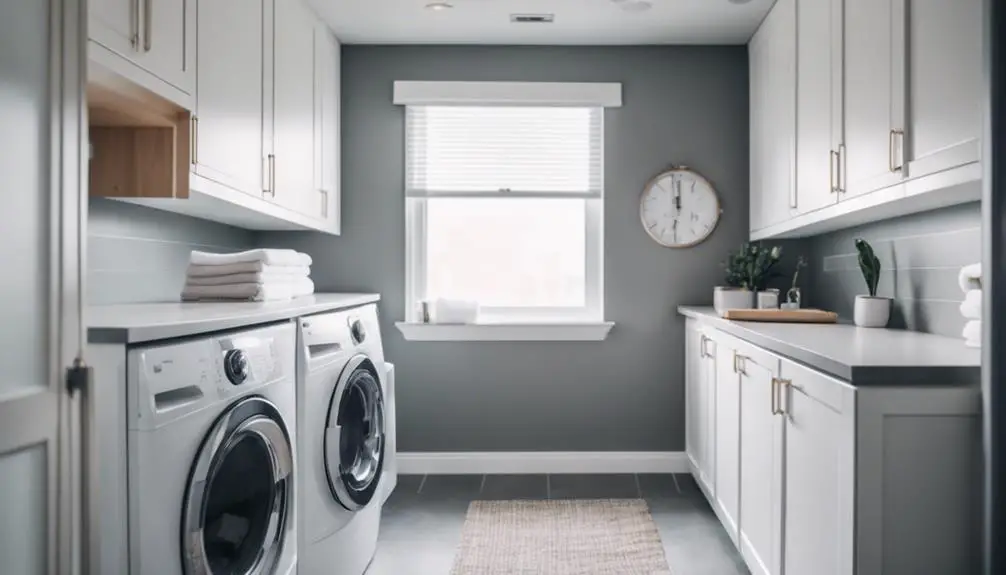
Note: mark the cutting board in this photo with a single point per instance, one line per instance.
(782, 315)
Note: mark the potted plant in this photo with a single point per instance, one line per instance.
(747, 272)
(871, 310)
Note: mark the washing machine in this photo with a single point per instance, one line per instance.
(342, 413)
(211, 454)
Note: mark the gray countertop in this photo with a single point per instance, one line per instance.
(145, 322)
(860, 356)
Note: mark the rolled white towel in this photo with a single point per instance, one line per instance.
(273, 291)
(970, 277)
(247, 268)
(973, 333)
(971, 307)
(265, 256)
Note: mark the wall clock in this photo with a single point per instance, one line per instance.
(679, 208)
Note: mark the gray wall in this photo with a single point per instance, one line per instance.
(138, 254)
(921, 255)
(682, 105)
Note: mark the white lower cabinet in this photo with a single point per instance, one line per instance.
(813, 476)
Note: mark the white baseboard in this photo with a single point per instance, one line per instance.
(500, 462)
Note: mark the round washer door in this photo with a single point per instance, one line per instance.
(239, 498)
(354, 435)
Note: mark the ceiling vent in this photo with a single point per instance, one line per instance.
(532, 18)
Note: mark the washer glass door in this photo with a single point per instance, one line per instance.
(238, 501)
(354, 435)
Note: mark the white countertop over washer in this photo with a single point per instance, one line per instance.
(144, 322)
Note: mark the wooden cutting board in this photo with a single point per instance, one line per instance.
(782, 315)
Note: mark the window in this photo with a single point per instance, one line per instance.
(504, 207)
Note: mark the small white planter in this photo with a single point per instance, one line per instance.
(725, 298)
(872, 311)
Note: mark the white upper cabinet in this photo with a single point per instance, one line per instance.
(945, 85)
(761, 463)
(148, 42)
(874, 94)
(328, 125)
(818, 103)
(772, 58)
(228, 135)
(294, 109)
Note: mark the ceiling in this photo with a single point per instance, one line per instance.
(577, 22)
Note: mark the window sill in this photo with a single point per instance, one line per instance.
(596, 331)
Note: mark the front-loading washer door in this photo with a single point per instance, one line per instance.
(354, 435)
(238, 502)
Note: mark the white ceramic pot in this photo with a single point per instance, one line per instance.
(725, 298)
(768, 299)
(872, 311)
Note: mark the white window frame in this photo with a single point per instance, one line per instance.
(513, 323)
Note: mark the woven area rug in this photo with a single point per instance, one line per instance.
(561, 537)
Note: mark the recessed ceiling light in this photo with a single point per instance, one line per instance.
(439, 6)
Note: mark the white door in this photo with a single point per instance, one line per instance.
(40, 510)
(820, 473)
(761, 465)
(328, 119)
(229, 94)
(728, 438)
(167, 40)
(817, 96)
(945, 84)
(293, 109)
(874, 94)
(115, 24)
(772, 53)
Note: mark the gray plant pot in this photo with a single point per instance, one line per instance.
(872, 311)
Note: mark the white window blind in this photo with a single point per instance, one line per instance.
(517, 150)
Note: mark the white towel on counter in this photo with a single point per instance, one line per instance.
(269, 291)
(264, 256)
(263, 277)
(196, 270)
(971, 307)
(970, 277)
(973, 333)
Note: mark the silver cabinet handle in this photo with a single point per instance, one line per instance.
(841, 160)
(148, 17)
(832, 160)
(778, 389)
(134, 37)
(194, 136)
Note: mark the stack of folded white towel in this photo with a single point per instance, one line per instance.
(255, 275)
(970, 280)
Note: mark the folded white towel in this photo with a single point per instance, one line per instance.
(264, 277)
(249, 291)
(971, 307)
(247, 268)
(970, 277)
(270, 257)
(973, 333)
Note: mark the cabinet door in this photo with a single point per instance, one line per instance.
(945, 84)
(874, 93)
(817, 98)
(727, 441)
(293, 109)
(229, 96)
(772, 55)
(707, 405)
(328, 120)
(693, 373)
(820, 473)
(168, 42)
(761, 465)
(115, 24)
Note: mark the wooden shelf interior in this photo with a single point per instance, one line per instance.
(140, 144)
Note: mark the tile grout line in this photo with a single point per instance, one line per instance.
(422, 482)
(482, 486)
(674, 476)
(548, 486)
(639, 488)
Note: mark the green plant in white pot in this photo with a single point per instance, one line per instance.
(748, 271)
(870, 310)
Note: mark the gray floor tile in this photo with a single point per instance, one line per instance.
(409, 483)
(576, 486)
(502, 487)
(405, 491)
(658, 485)
(451, 487)
(687, 485)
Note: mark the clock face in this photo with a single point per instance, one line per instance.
(679, 208)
